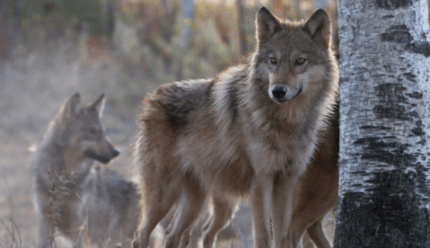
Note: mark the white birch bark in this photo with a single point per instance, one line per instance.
(384, 196)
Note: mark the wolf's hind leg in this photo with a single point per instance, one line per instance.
(318, 235)
(222, 213)
(159, 201)
(153, 215)
(187, 211)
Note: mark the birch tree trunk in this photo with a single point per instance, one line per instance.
(384, 196)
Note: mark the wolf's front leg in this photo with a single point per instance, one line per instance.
(261, 200)
(283, 198)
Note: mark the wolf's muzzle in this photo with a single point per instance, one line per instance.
(115, 153)
(279, 92)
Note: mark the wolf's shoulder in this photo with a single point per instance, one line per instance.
(176, 92)
(200, 88)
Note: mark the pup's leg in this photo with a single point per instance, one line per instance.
(222, 213)
(318, 235)
(283, 196)
(187, 211)
(261, 200)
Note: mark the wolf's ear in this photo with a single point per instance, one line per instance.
(319, 28)
(267, 25)
(98, 104)
(70, 108)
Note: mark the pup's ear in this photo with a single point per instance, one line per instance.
(98, 105)
(319, 28)
(70, 108)
(267, 25)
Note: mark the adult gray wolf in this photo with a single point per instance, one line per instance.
(84, 202)
(249, 131)
(316, 195)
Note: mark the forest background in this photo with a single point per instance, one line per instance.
(50, 49)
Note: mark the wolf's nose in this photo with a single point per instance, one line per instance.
(279, 92)
(115, 153)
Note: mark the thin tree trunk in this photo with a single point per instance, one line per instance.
(384, 195)
(320, 4)
(242, 33)
(17, 19)
(188, 7)
(165, 5)
(4, 30)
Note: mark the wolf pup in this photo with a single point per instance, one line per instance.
(63, 184)
(249, 131)
(112, 206)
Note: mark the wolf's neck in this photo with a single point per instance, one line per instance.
(55, 155)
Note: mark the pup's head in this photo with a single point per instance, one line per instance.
(83, 130)
(292, 57)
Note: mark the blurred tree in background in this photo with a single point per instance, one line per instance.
(58, 14)
(142, 43)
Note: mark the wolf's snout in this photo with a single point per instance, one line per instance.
(115, 153)
(279, 92)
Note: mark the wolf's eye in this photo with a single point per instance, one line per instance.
(272, 60)
(300, 61)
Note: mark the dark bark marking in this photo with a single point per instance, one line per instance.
(393, 4)
(400, 34)
(409, 76)
(392, 203)
(418, 131)
(391, 92)
(413, 114)
(378, 150)
(420, 47)
(390, 99)
(393, 111)
(376, 127)
(416, 95)
(397, 33)
(393, 212)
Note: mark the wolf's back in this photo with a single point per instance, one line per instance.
(176, 101)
